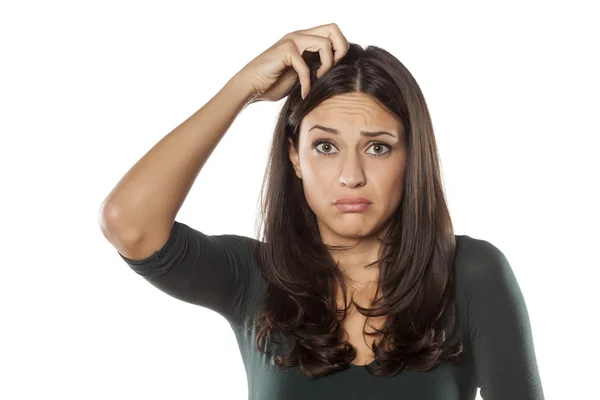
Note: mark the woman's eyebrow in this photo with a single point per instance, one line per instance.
(363, 133)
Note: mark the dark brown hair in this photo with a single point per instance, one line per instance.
(416, 277)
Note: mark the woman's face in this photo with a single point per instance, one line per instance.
(348, 164)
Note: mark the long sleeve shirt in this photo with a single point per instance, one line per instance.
(220, 272)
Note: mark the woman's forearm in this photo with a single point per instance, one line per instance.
(146, 200)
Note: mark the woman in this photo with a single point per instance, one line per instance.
(358, 287)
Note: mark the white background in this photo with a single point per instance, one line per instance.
(88, 87)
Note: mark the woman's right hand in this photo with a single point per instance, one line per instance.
(275, 70)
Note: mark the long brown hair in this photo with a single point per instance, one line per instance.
(416, 275)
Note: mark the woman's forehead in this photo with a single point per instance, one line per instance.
(344, 111)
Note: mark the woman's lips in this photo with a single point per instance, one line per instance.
(352, 204)
(352, 207)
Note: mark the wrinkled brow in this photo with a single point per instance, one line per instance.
(362, 133)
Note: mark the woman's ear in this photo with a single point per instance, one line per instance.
(293, 153)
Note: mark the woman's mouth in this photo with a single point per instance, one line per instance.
(352, 207)
(352, 204)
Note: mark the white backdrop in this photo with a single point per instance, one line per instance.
(87, 88)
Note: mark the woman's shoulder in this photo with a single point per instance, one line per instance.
(481, 267)
(475, 254)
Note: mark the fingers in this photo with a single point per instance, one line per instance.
(333, 32)
(328, 40)
(317, 43)
(293, 58)
(340, 44)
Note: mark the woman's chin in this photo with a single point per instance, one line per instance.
(353, 230)
(349, 226)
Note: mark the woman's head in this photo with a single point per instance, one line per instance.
(310, 167)
(368, 90)
(350, 145)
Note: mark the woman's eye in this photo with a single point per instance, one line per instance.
(325, 147)
(380, 149)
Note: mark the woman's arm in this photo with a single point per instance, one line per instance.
(138, 214)
(218, 272)
(499, 327)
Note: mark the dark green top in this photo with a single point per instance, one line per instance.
(219, 272)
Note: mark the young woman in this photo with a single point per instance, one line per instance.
(358, 287)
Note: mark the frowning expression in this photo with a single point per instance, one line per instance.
(353, 149)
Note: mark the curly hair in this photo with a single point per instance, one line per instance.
(415, 290)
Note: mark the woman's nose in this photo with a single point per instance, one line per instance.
(352, 174)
